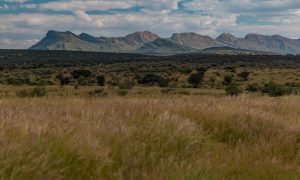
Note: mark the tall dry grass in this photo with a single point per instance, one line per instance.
(167, 137)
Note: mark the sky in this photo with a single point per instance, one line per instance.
(25, 22)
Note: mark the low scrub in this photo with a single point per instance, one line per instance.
(273, 89)
(35, 92)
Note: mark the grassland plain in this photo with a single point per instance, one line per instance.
(67, 135)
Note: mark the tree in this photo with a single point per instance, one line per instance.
(100, 80)
(149, 79)
(244, 75)
(227, 79)
(64, 81)
(233, 90)
(81, 73)
(201, 69)
(196, 79)
(163, 82)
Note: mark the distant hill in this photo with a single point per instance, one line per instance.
(226, 50)
(150, 43)
(276, 43)
(164, 46)
(85, 42)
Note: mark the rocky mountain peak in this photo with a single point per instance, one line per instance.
(226, 37)
(142, 37)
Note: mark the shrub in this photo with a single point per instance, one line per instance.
(3, 94)
(23, 93)
(81, 73)
(64, 80)
(196, 79)
(275, 90)
(149, 79)
(35, 92)
(82, 81)
(163, 82)
(38, 92)
(100, 80)
(126, 85)
(244, 75)
(123, 92)
(18, 80)
(252, 88)
(186, 71)
(98, 93)
(233, 90)
(201, 69)
(227, 79)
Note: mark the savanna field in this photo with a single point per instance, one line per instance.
(150, 120)
(153, 136)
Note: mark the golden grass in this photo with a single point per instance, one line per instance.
(158, 137)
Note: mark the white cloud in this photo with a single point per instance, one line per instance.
(16, 44)
(209, 17)
(19, 1)
(83, 5)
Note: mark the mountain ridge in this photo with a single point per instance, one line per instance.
(146, 42)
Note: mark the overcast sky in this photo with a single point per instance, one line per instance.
(24, 22)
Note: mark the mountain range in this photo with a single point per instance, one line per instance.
(150, 43)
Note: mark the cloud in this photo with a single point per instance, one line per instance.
(159, 5)
(83, 5)
(32, 19)
(16, 44)
(18, 1)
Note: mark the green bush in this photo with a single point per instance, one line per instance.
(81, 73)
(196, 79)
(38, 92)
(227, 79)
(100, 80)
(244, 75)
(252, 88)
(63, 80)
(275, 90)
(23, 93)
(163, 82)
(233, 90)
(149, 79)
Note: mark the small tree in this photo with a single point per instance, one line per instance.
(233, 90)
(212, 80)
(64, 80)
(244, 75)
(149, 79)
(100, 80)
(81, 73)
(201, 69)
(163, 82)
(227, 79)
(196, 79)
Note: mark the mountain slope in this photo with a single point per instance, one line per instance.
(85, 42)
(275, 44)
(195, 41)
(147, 42)
(164, 46)
(64, 41)
(232, 51)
